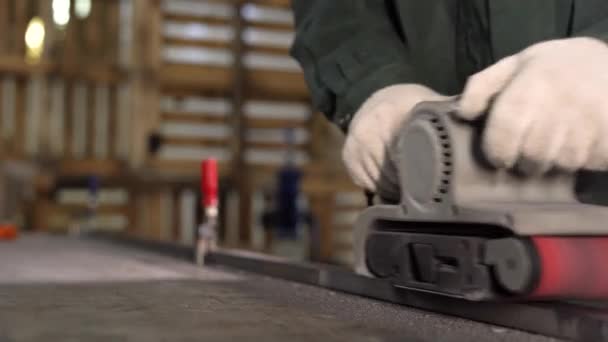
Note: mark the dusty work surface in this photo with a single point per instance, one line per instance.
(66, 289)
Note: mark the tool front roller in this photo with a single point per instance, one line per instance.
(465, 229)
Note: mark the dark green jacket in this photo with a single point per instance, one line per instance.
(351, 48)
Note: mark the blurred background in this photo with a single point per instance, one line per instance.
(107, 108)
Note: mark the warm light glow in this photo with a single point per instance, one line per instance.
(82, 8)
(34, 38)
(61, 12)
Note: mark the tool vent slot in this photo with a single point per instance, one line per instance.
(446, 160)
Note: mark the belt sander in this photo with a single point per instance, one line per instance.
(465, 229)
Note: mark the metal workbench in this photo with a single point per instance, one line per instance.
(72, 289)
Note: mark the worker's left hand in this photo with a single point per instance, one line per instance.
(550, 108)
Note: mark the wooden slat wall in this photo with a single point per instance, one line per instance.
(212, 77)
(66, 110)
(69, 210)
(229, 90)
(228, 83)
(73, 118)
(275, 115)
(198, 38)
(64, 107)
(196, 83)
(348, 204)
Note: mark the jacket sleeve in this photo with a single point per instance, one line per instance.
(348, 49)
(590, 19)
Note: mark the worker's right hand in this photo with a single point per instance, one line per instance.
(372, 131)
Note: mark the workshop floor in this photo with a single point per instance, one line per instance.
(66, 289)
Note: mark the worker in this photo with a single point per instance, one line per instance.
(539, 69)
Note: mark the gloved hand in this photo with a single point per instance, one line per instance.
(371, 132)
(550, 108)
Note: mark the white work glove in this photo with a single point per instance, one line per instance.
(372, 131)
(550, 106)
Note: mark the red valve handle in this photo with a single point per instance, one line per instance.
(209, 183)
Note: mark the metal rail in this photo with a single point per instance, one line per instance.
(574, 321)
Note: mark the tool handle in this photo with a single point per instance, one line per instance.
(209, 183)
(478, 127)
(479, 155)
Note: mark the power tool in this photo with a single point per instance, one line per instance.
(463, 228)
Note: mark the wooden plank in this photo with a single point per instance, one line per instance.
(90, 167)
(18, 143)
(177, 214)
(316, 183)
(123, 115)
(167, 214)
(142, 213)
(19, 27)
(152, 176)
(148, 33)
(78, 110)
(158, 216)
(274, 123)
(196, 78)
(99, 33)
(153, 213)
(213, 44)
(4, 26)
(91, 120)
(145, 118)
(133, 223)
(266, 25)
(4, 143)
(179, 91)
(38, 121)
(3, 140)
(17, 65)
(45, 12)
(92, 46)
(342, 246)
(187, 167)
(144, 78)
(68, 119)
(44, 210)
(106, 74)
(101, 121)
(103, 74)
(276, 145)
(203, 142)
(196, 18)
(262, 170)
(272, 84)
(322, 208)
(323, 134)
(193, 118)
(112, 29)
(41, 215)
(241, 174)
(262, 176)
(68, 52)
(113, 123)
(101, 210)
(268, 49)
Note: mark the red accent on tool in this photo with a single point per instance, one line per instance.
(209, 183)
(572, 267)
